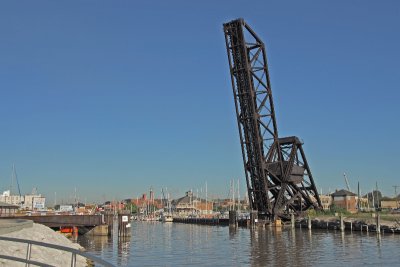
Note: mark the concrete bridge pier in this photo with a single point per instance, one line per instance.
(99, 230)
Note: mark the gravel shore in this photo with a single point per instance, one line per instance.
(49, 256)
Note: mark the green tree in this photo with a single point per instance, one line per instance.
(132, 207)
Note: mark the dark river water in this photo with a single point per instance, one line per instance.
(174, 244)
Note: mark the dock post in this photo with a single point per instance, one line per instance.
(109, 221)
(124, 223)
(309, 222)
(341, 223)
(292, 220)
(378, 223)
(232, 218)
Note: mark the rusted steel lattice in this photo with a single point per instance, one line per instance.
(278, 177)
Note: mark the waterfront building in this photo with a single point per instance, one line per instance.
(27, 202)
(362, 203)
(345, 199)
(7, 210)
(6, 197)
(146, 206)
(390, 204)
(191, 204)
(326, 201)
(34, 202)
(227, 204)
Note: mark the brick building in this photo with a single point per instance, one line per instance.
(345, 199)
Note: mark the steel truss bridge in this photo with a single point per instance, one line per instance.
(278, 177)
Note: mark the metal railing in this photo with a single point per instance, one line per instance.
(27, 260)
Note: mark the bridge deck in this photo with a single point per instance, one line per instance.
(64, 220)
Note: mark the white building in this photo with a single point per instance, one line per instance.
(6, 197)
(34, 202)
(28, 202)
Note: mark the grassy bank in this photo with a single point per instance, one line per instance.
(368, 217)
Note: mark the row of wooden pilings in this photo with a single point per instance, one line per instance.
(358, 226)
(342, 225)
(251, 221)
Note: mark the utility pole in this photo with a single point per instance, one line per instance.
(373, 199)
(358, 200)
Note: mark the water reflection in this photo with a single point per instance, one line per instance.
(232, 232)
(99, 243)
(273, 247)
(173, 244)
(123, 249)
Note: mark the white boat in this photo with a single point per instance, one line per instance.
(167, 218)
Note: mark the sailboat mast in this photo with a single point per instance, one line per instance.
(206, 200)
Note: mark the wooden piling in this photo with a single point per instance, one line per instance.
(124, 225)
(341, 223)
(109, 221)
(232, 218)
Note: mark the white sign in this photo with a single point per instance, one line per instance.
(124, 218)
(38, 202)
(38, 205)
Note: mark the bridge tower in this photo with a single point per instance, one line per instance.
(279, 180)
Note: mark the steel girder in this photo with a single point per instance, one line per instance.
(278, 177)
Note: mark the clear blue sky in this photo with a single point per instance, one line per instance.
(113, 97)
